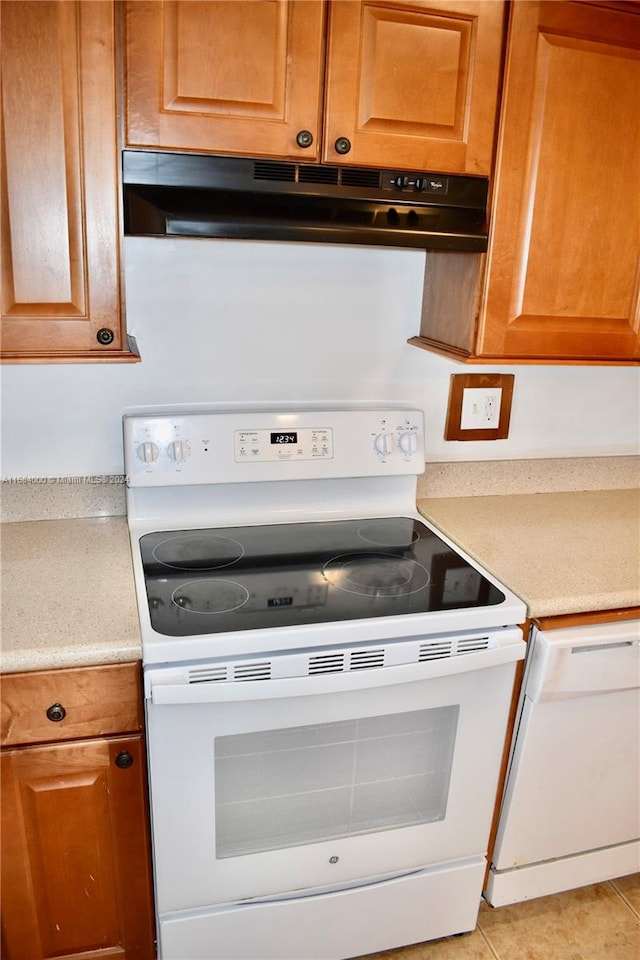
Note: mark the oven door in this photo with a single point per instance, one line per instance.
(267, 787)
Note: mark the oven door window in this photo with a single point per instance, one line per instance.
(298, 785)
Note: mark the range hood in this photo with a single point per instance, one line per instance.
(187, 195)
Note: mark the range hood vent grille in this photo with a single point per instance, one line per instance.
(283, 172)
(312, 173)
(189, 195)
(308, 174)
(354, 177)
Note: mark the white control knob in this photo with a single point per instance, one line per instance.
(409, 442)
(148, 451)
(177, 451)
(384, 443)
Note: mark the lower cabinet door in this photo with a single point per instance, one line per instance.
(75, 851)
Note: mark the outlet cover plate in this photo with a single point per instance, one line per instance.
(479, 406)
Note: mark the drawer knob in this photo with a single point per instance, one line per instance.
(56, 712)
(342, 145)
(124, 760)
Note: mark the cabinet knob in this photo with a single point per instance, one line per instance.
(124, 760)
(56, 712)
(304, 138)
(342, 145)
(104, 336)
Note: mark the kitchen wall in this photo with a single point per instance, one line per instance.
(220, 321)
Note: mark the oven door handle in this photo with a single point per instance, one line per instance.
(165, 690)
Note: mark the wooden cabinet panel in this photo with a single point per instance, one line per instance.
(96, 701)
(563, 274)
(226, 77)
(414, 84)
(60, 247)
(75, 858)
(411, 84)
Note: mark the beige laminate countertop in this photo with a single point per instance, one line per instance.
(559, 552)
(67, 594)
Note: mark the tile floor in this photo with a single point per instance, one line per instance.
(601, 922)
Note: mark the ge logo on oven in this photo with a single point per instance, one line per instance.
(333, 859)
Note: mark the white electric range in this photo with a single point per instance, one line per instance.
(327, 684)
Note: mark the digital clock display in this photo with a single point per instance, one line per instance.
(282, 436)
(279, 601)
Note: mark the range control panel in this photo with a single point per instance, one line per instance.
(315, 443)
(240, 446)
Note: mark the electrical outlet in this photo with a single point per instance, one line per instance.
(480, 408)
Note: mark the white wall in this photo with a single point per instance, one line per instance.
(219, 321)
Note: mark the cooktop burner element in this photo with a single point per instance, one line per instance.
(375, 574)
(389, 531)
(210, 596)
(302, 573)
(198, 550)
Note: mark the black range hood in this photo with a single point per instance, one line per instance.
(187, 195)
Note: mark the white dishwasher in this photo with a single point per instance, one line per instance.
(571, 809)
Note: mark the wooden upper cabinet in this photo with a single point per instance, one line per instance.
(414, 83)
(409, 84)
(563, 277)
(227, 77)
(60, 246)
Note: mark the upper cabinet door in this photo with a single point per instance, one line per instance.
(60, 245)
(227, 77)
(413, 84)
(563, 270)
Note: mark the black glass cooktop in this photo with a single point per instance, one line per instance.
(244, 578)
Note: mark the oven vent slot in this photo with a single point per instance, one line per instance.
(207, 674)
(259, 670)
(365, 659)
(434, 651)
(326, 663)
(470, 644)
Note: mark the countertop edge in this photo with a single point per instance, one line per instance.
(32, 660)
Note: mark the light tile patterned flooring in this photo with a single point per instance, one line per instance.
(601, 922)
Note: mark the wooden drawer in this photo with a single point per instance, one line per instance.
(96, 701)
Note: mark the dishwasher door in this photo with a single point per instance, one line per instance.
(571, 808)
